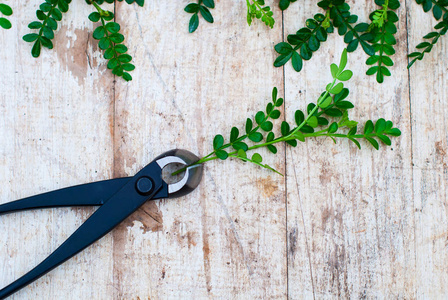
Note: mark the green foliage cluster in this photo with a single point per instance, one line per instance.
(383, 29)
(201, 7)
(303, 43)
(109, 39)
(7, 11)
(257, 10)
(48, 14)
(376, 38)
(439, 11)
(327, 117)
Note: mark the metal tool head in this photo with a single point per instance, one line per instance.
(192, 176)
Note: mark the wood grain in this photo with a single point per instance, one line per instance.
(343, 222)
(55, 117)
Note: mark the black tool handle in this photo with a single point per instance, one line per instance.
(90, 194)
(132, 195)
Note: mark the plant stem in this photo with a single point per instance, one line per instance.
(290, 136)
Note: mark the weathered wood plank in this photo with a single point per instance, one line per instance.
(429, 94)
(55, 118)
(227, 239)
(350, 217)
(356, 223)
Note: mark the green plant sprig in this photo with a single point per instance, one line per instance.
(110, 40)
(7, 11)
(439, 8)
(49, 14)
(203, 7)
(306, 40)
(257, 10)
(383, 29)
(332, 104)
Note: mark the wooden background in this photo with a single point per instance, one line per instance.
(341, 223)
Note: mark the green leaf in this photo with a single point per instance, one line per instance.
(221, 154)
(333, 127)
(267, 126)
(192, 8)
(48, 33)
(113, 27)
(194, 23)
(386, 140)
(282, 59)
(209, 3)
(35, 51)
(355, 142)
(46, 42)
(5, 23)
(57, 15)
(394, 132)
(218, 141)
(99, 32)
(272, 149)
(283, 48)
(120, 48)
(128, 67)
(206, 14)
(284, 128)
(257, 158)
(125, 58)
(5, 9)
(275, 114)
(94, 17)
(345, 75)
(344, 105)
(373, 142)
(297, 62)
(292, 143)
(30, 37)
(259, 117)
(255, 137)
(380, 126)
(333, 112)
(274, 94)
(127, 76)
(104, 43)
(116, 38)
(234, 134)
(248, 125)
(299, 117)
(241, 153)
(312, 121)
(35, 25)
(240, 145)
(368, 128)
(337, 88)
(325, 103)
(343, 61)
(334, 70)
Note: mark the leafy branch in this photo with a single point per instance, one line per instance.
(7, 11)
(306, 40)
(49, 13)
(330, 106)
(256, 9)
(203, 7)
(383, 29)
(438, 8)
(110, 40)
